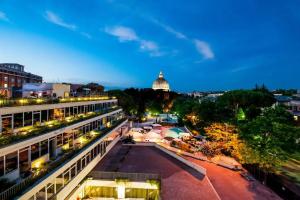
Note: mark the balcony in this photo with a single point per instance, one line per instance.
(40, 101)
(43, 171)
(32, 131)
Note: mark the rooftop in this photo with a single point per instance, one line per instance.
(178, 181)
(39, 101)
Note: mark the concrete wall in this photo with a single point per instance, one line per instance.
(76, 181)
(61, 90)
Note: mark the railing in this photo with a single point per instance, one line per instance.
(39, 101)
(11, 139)
(15, 189)
(138, 177)
(29, 181)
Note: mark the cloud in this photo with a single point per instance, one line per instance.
(169, 29)
(55, 19)
(88, 36)
(126, 34)
(148, 45)
(201, 46)
(3, 17)
(204, 49)
(122, 33)
(242, 68)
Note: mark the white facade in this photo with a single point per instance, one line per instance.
(46, 90)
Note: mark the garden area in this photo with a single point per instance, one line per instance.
(38, 101)
(32, 131)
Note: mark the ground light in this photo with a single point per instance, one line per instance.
(82, 140)
(39, 100)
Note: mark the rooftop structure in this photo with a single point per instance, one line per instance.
(178, 181)
(56, 90)
(161, 83)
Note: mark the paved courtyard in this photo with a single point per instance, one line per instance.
(231, 186)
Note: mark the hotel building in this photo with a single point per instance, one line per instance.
(48, 146)
(12, 75)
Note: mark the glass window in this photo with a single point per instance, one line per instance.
(50, 190)
(66, 177)
(11, 163)
(78, 166)
(1, 166)
(44, 147)
(35, 153)
(59, 140)
(23, 160)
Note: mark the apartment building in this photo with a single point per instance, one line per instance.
(46, 144)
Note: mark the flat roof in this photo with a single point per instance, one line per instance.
(178, 181)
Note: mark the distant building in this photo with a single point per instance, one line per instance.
(13, 76)
(298, 93)
(161, 83)
(196, 94)
(90, 89)
(57, 90)
(282, 100)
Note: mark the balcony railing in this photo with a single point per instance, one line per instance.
(39, 130)
(28, 182)
(39, 101)
(138, 177)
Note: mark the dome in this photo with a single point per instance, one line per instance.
(161, 83)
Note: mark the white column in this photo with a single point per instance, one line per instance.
(121, 190)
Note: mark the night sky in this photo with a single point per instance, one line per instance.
(198, 44)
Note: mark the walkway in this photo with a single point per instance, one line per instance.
(230, 185)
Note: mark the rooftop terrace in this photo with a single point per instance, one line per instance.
(40, 101)
(33, 131)
(178, 181)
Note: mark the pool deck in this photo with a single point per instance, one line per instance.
(179, 181)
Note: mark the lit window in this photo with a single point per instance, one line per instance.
(5, 78)
(5, 85)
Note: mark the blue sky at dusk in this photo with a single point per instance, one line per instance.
(198, 44)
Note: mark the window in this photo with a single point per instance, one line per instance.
(5, 85)
(44, 147)
(5, 78)
(1, 166)
(11, 163)
(35, 152)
